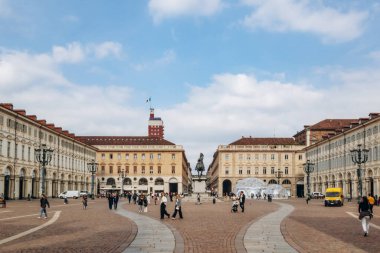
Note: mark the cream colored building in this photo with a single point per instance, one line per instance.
(20, 135)
(260, 158)
(140, 164)
(333, 162)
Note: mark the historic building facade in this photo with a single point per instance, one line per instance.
(20, 135)
(332, 157)
(262, 158)
(141, 164)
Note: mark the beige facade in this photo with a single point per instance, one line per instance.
(140, 164)
(333, 162)
(260, 158)
(20, 135)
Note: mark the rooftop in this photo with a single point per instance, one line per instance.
(124, 140)
(264, 141)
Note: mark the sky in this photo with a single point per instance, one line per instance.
(215, 70)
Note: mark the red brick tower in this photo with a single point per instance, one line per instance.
(155, 126)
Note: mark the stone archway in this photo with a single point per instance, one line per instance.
(21, 185)
(227, 187)
(7, 183)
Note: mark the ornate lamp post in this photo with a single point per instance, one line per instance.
(308, 167)
(43, 157)
(92, 167)
(122, 175)
(359, 156)
(278, 176)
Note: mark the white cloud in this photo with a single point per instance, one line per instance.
(73, 53)
(162, 9)
(331, 24)
(168, 57)
(108, 48)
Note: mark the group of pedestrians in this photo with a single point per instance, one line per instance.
(177, 207)
(113, 199)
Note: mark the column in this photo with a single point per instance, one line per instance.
(16, 188)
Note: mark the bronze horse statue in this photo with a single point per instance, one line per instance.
(200, 166)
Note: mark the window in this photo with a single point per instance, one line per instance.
(248, 157)
(9, 149)
(23, 152)
(151, 156)
(1, 147)
(272, 156)
(16, 150)
(286, 170)
(143, 156)
(126, 156)
(227, 157)
(118, 169)
(119, 156)
(173, 169)
(134, 156)
(111, 169)
(286, 157)
(240, 171)
(226, 171)
(103, 170)
(173, 156)
(29, 150)
(151, 170)
(134, 169)
(264, 170)
(264, 156)
(256, 171)
(159, 169)
(240, 157)
(256, 156)
(299, 157)
(142, 169)
(272, 170)
(127, 169)
(159, 156)
(111, 156)
(249, 171)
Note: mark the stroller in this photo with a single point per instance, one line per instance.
(235, 205)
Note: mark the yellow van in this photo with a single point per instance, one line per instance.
(334, 197)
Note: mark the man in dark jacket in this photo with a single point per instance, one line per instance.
(43, 203)
(242, 201)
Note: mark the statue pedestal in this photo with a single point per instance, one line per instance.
(199, 184)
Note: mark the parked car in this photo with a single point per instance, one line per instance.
(83, 193)
(317, 195)
(69, 194)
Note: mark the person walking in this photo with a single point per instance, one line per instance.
(198, 199)
(110, 200)
(43, 203)
(365, 214)
(129, 197)
(163, 203)
(115, 201)
(177, 207)
(140, 203)
(371, 201)
(84, 201)
(242, 201)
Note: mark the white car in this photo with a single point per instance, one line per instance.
(69, 194)
(82, 193)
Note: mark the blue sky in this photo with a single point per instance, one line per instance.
(216, 70)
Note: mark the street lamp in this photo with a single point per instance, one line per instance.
(122, 175)
(278, 176)
(308, 167)
(43, 157)
(359, 156)
(92, 167)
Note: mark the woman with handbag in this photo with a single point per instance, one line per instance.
(365, 214)
(177, 207)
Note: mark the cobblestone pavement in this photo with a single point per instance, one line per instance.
(211, 227)
(96, 229)
(316, 228)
